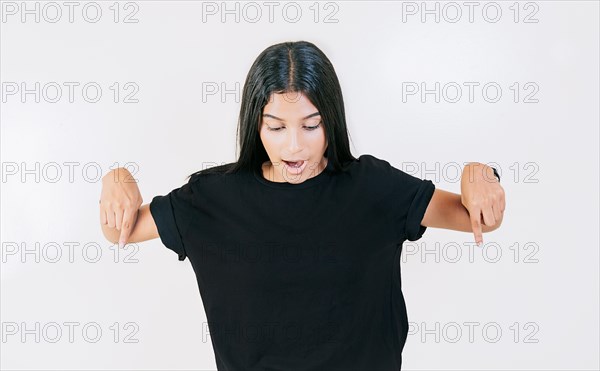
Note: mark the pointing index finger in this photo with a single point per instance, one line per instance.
(476, 226)
(126, 227)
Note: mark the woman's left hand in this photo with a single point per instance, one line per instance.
(483, 197)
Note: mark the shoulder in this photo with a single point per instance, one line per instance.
(213, 172)
(370, 172)
(369, 159)
(217, 179)
(381, 171)
(372, 165)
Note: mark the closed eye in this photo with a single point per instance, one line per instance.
(308, 128)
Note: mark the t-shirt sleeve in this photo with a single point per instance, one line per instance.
(423, 192)
(411, 196)
(172, 215)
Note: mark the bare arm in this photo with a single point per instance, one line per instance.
(446, 211)
(121, 217)
(478, 209)
(143, 230)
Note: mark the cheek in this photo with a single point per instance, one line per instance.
(268, 142)
(320, 140)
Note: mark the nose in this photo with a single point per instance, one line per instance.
(294, 141)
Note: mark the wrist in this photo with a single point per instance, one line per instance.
(491, 174)
(473, 170)
(495, 172)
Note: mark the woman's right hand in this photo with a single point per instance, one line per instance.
(120, 202)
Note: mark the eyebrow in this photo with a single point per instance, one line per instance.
(282, 120)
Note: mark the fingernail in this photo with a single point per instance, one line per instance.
(121, 244)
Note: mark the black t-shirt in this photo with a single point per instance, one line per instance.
(299, 276)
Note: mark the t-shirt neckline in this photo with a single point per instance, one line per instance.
(317, 179)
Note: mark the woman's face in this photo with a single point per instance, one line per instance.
(291, 130)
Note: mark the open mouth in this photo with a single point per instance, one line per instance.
(294, 164)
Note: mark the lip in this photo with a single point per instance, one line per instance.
(295, 170)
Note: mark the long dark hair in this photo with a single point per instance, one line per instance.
(289, 67)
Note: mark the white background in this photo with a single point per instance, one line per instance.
(545, 300)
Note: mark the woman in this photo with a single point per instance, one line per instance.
(296, 245)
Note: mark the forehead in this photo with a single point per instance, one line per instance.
(292, 106)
